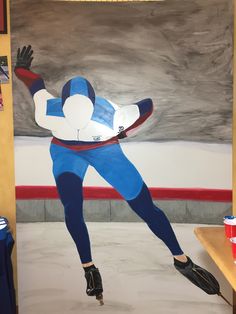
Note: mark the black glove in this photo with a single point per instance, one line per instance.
(24, 57)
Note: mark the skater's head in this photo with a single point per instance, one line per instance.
(78, 99)
(78, 86)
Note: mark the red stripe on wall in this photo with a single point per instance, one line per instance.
(92, 193)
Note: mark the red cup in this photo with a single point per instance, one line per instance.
(233, 245)
(230, 226)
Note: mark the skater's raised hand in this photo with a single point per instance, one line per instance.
(24, 57)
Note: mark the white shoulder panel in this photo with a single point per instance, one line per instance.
(48, 122)
(125, 116)
(116, 107)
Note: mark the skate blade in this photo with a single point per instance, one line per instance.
(100, 299)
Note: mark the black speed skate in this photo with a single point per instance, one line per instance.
(198, 276)
(94, 284)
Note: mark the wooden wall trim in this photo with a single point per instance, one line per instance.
(7, 177)
(234, 113)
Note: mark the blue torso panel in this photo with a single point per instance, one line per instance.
(54, 107)
(103, 112)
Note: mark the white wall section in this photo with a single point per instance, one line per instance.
(170, 164)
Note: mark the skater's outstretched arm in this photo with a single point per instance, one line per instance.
(35, 83)
(127, 118)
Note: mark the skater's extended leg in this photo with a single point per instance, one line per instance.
(116, 169)
(112, 164)
(156, 219)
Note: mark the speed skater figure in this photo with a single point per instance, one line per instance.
(86, 130)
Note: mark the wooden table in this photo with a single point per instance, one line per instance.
(219, 248)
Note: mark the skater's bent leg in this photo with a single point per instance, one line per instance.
(69, 169)
(70, 190)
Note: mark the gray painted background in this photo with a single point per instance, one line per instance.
(178, 52)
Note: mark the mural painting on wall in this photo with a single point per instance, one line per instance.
(86, 130)
(108, 71)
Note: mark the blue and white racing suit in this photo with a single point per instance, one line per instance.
(86, 130)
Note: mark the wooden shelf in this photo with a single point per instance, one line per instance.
(219, 248)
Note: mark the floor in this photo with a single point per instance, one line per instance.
(137, 272)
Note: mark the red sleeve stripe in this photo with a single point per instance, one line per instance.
(26, 76)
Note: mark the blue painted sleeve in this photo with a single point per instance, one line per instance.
(145, 106)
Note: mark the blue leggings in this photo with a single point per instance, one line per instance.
(69, 168)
